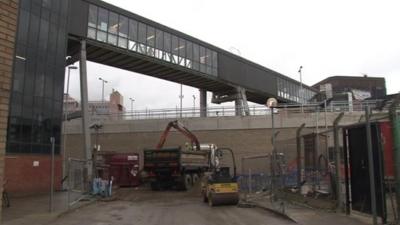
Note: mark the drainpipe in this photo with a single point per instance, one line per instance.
(298, 143)
(337, 161)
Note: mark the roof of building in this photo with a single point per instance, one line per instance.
(342, 77)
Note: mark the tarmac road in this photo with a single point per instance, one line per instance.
(143, 207)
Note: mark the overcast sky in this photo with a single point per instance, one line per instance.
(330, 37)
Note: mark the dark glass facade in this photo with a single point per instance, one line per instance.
(38, 79)
(127, 33)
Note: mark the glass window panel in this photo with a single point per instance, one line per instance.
(39, 81)
(33, 29)
(102, 23)
(132, 45)
(112, 39)
(208, 57)
(202, 68)
(23, 26)
(202, 55)
(113, 23)
(123, 26)
(19, 72)
(214, 71)
(208, 70)
(189, 50)
(122, 42)
(175, 44)
(182, 47)
(142, 33)
(196, 52)
(167, 42)
(133, 30)
(195, 65)
(55, 5)
(214, 59)
(151, 36)
(92, 21)
(159, 39)
(91, 33)
(101, 36)
(49, 83)
(44, 34)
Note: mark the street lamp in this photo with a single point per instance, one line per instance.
(102, 90)
(301, 84)
(194, 104)
(181, 98)
(132, 100)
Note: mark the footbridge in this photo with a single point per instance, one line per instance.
(122, 39)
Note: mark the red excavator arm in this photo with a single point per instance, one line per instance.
(179, 127)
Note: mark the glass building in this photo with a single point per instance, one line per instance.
(38, 81)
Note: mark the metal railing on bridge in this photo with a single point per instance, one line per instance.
(224, 111)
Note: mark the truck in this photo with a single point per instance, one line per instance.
(176, 167)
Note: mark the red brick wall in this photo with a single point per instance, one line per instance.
(25, 179)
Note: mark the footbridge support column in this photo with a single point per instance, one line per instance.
(85, 109)
(203, 103)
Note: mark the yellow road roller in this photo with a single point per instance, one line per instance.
(219, 186)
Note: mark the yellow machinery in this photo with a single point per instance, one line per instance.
(219, 187)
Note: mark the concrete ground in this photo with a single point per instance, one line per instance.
(145, 207)
(307, 216)
(34, 210)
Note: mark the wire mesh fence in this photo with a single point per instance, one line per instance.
(255, 174)
(77, 180)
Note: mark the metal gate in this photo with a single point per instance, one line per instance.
(357, 170)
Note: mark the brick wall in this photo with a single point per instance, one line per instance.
(30, 174)
(8, 26)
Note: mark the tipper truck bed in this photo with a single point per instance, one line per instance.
(174, 167)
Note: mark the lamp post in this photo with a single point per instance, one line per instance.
(102, 90)
(301, 84)
(194, 104)
(181, 98)
(132, 100)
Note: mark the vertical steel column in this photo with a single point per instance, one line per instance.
(395, 122)
(203, 103)
(238, 107)
(298, 158)
(337, 161)
(371, 166)
(85, 110)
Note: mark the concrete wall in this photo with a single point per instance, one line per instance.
(8, 27)
(245, 135)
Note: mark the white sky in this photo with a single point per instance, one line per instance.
(329, 37)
